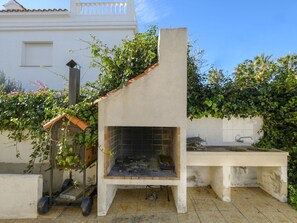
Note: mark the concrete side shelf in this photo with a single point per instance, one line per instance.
(237, 158)
(271, 170)
(19, 195)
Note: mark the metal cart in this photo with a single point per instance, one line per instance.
(70, 194)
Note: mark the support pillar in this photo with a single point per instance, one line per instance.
(273, 180)
(221, 182)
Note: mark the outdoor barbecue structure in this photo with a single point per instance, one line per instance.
(142, 127)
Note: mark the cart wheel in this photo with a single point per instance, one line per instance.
(43, 205)
(86, 206)
(66, 184)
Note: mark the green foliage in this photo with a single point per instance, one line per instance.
(195, 78)
(292, 198)
(119, 64)
(8, 85)
(260, 87)
(66, 156)
(22, 112)
(292, 184)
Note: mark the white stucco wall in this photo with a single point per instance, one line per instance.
(64, 41)
(243, 176)
(19, 195)
(223, 131)
(11, 164)
(274, 181)
(199, 176)
(67, 31)
(9, 148)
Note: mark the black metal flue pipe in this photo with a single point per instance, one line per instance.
(74, 82)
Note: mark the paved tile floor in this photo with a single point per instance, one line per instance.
(248, 205)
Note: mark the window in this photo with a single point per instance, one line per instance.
(36, 54)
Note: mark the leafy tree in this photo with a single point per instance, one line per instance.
(8, 85)
(268, 88)
(259, 87)
(195, 85)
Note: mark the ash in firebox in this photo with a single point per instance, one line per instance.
(139, 167)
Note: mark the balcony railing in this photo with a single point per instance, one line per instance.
(102, 8)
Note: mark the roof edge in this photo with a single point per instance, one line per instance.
(131, 81)
(33, 10)
(20, 4)
(73, 119)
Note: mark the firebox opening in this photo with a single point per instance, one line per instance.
(142, 152)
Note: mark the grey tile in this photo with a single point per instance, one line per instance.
(190, 217)
(277, 217)
(211, 217)
(234, 217)
(247, 205)
(256, 217)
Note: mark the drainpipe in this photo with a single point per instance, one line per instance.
(74, 82)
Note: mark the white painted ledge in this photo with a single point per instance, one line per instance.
(237, 158)
(19, 195)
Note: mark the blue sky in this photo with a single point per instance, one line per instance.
(229, 31)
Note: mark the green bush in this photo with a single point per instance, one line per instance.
(292, 198)
(8, 85)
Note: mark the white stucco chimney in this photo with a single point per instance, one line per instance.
(173, 46)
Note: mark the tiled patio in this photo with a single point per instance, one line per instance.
(248, 205)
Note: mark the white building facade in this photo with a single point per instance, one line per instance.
(36, 44)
